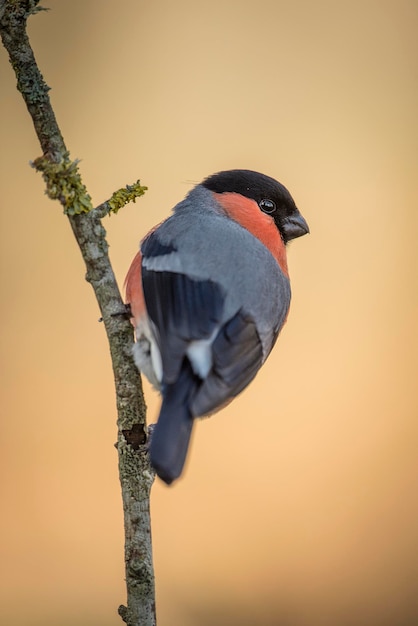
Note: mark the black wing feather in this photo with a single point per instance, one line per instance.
(182, 310)
(237, 357)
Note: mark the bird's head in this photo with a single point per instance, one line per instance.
(271, 196)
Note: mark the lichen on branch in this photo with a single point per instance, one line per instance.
(63, 183)
(128, 194)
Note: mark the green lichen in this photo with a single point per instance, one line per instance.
(63, 183)
(128, 194)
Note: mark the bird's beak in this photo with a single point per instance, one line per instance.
(295, 226)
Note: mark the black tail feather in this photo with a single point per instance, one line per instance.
(171, 437)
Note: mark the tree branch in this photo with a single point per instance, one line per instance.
(64, 183)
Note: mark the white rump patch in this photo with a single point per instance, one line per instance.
(199, 353)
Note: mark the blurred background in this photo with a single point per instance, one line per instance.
(298, 503)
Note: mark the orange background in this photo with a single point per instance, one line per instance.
(298, 504)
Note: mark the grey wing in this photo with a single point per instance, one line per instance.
(182, 309)
(237, 356)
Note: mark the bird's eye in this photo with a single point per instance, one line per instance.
(268, 206)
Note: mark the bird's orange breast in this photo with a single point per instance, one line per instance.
(246, 212)
(133, 285)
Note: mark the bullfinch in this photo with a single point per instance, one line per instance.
(209, 293)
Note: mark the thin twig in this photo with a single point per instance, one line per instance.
(64, 183)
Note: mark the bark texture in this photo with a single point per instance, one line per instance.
(64, 183)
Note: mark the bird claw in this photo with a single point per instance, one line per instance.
(126, 312)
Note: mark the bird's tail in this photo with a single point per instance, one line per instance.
(171, 436)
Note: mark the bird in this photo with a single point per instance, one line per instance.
(208, 293)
